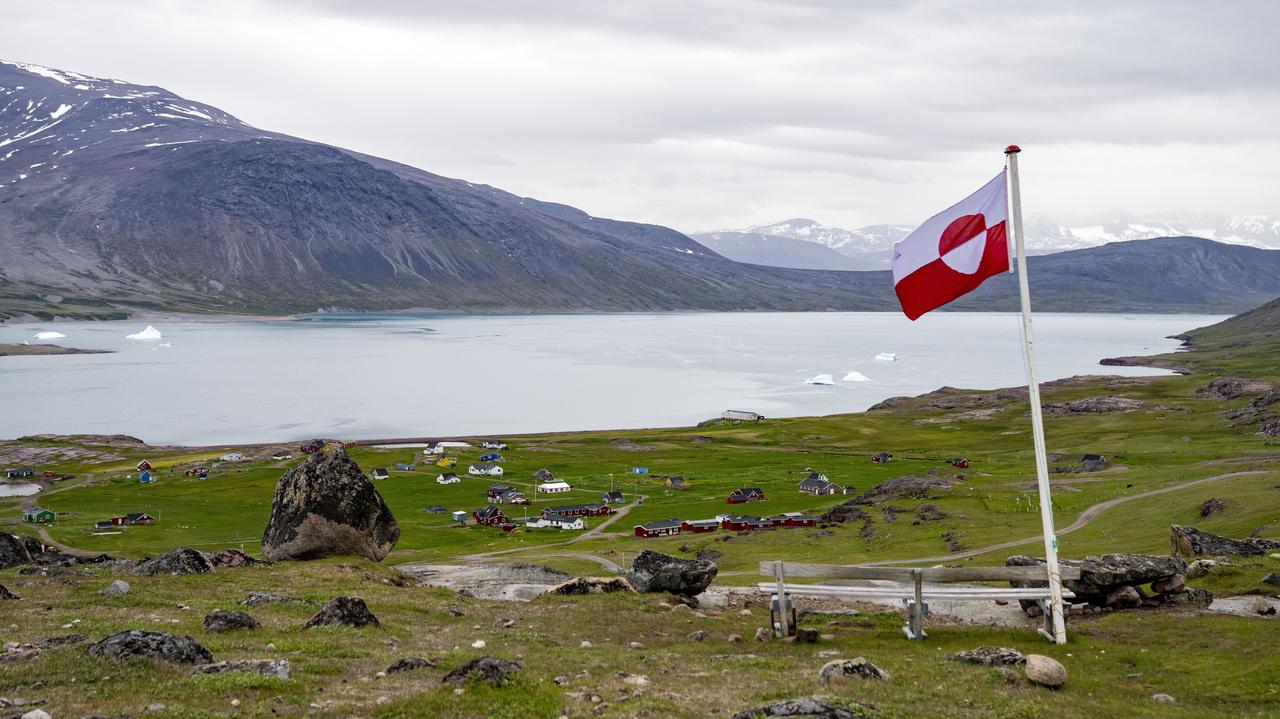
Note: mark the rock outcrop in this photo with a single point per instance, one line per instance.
(491, 670)
(901, 488)
(1094, 405)
(1189, 542)
(234, 558)
(656, 572)
(324, 507)
(6, 594)
(808, 707)
(275, 668)
(15, 551)
(221, 620)
(153, 645)
(183, 560)
(851, 668)
(988, 656)
(1116, 580)
(593, 585)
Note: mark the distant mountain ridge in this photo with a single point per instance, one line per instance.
(116, 197)
(870, 247)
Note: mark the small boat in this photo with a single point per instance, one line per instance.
(887, 357)
(820, 379)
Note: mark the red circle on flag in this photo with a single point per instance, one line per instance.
(961, 230)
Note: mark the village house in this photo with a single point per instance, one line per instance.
(485, 468)
(557, 487)
(544, 475)
(277, 456)
(490, 457)
(552, 520)
(613, 497)
(39, 515)
(200, 472)
(745, 523)
(746, 494)
(147, 477)
(677, 482)
(433, 448)
(448, 478)
(402, 467)
(818, 485)
(741, 415)
(20, 473)
(447, 462)
(580, 510)
(493, 444)
(104, 524)
(490, 515)
(960, 463)
(698, 526)
(661, 528)
(882, 458)
(144, 465)
(379, 473)
(1094, 462)
(502, 494)
(312, 447)
(133, 518)
(232, 457)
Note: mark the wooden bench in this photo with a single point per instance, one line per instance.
(909, 587)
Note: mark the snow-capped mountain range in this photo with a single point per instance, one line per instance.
(870, 246)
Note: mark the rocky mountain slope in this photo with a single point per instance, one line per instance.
(116, 197)
(760, 249)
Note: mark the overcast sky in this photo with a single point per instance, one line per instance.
(724, 113)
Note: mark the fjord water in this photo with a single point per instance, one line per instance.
(383, 376)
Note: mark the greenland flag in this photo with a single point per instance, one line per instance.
(953, 252)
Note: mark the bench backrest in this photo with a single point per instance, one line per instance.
(928, 574)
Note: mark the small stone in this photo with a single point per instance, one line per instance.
(812, 707)
(1045, 671)
(496, 672)
(156, 707)
(636, 645)
(807, 636)
(1272, 578)
(698, 636)
(277, 668)
(118, 588)
(560, 680)
(409, 664)
(1262, 607)
(478, 644)
(744, 612)
(1176, 583)
(235, 702)
(349, 611)
(989, 656)
(763, 635)
(37, 714)
(735, 638)
(585, 644)
(459, 691)
(844, 668)
(1124, 597)
(382, 701)
(1163, 699)
(221, 620)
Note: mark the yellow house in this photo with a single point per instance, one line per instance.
(447, 462)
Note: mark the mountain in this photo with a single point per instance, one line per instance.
(118, 195)
(760, 249)
(870, 246)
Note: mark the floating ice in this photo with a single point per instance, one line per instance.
(820, 379)
(49, 335)
(856, 376)
(149, 334)
(887, 357)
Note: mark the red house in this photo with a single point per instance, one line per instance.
(661, 528)
(490, 515)
(800, 520)
(579, 510)
(960, 463)
(144, 466)
(746, 494)
(882, 458)
(748, 523)
(698, 526)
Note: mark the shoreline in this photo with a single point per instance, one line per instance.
(45, 350)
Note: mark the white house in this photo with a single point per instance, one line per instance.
(448, 478)
(433, 449)
(556, 521)
(492, 469)
(493, 444)
(232, 457)
(379, 473)
(556, 487)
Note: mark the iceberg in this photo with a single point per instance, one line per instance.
(887, 357)
(49, 335)
(150, 334)
(856, 376)
(820, 379)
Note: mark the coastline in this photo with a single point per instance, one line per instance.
(45, 350)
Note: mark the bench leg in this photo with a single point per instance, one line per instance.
(1046, 610)
(782, 615)
(916, 612)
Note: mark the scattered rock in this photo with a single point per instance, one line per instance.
(1163, 699)
(1100, 576)
(1262, 607)
(183, 560)
(234, 558)
(1176, 583)
(256, 598)
(14, 551)
(155, 645)
(1211, 507)
(813, 707)
(221, 620)
(1270, 427)
(325, 506)
(61, 641)
(1272, 578)
(807, 636)
(1194, 596)
(118, 588)
(655, 572)
(278, 668)
(734, 638)
(709, 555)
(348, 611)
(1094, 405)
(930, 513)
(492, 670)
(37, 714)
(989, 656)
(900, 488)
(843, 668)
(1045, 671)
(697, 636)
(592, 585)
(6, 594)
(1189, 541)
(846, 512)
(763, 635)
(1123, 597)
(1200, 568)
(409, 664)
(1233, 387)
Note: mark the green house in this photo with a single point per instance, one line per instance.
(38, 514)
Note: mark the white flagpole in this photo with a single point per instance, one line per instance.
(1033, 392)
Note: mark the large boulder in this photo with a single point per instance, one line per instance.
(13, 551)
(656, 572)
(275, 668)
(324, 507)
(1100, 576)
(348, 611)
(153, 645)
(222, 620)
(491, 670)
(988, 656)
(810, 707)
(1045, 671)
(183, 560)
(851, 668)
(1189, 542)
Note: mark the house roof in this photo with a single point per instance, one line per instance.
(613, 495)
(1091, 458)
(697, 522)
(818, 475)
(560, 509)
(136, 515)
(488, 511)
(556, 484)
(662, 524)
(557, 517)
(484, 465)
(37, 510)
(813, 482)
(677, 480)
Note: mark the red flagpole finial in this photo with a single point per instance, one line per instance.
(1012, 149)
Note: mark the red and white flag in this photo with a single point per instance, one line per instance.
(953, 252)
